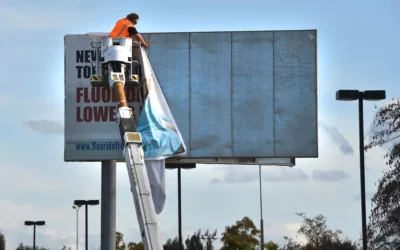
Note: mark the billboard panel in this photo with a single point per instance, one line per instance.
(236, 96)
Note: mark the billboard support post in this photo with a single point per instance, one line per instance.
(179, 209)
(108, 204)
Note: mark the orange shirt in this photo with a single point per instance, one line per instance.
(121, 28)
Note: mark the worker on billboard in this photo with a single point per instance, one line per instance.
(125, 27)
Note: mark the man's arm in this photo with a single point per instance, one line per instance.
(136, 36)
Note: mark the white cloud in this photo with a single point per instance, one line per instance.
(241, 174)
(34, 110)
(45, 126)
(292, 228)
(331, 175)
(22, 179)
(338, 138)
(216, 181)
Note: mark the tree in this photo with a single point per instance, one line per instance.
(209, 237)
(291, 244)
(242, 236)
(65, 248)
(197, 240)
(316, 231)
(2, 241)
(194, 242)
(172, 244)
(120, 244)
(384, 222)
(135, 246)
(22, 247)
(271, 245)
(319, 236)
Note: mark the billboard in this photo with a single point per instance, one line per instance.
(247, 97)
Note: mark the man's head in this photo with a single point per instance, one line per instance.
(133, 17)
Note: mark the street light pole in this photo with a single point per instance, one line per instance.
(179, 167)
(362, 168)
(86, 226)
(86, 203)
(77, 210)
(34, 236)
(34, 223)
(369, 95)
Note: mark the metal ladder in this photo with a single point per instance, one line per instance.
(141, 191)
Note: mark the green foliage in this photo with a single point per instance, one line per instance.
(316, 231)
(65, 248)
(194, 242)
(2, 241)
(120, 244)
(197, 240)
(318, 236)
(209, 238)
(135, 246)
(271, 246)
(172, 244)
(384, 222)
(243, 235)
(22, 247)
(291, 244)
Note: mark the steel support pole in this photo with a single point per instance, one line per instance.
(261, 212)
(179, 210)
(34, 236)
(77, 235)
(86, 227)
(108, 204)
(362, 169)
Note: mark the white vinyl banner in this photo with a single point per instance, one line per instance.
(161, 136)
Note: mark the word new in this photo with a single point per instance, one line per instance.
(84, 57)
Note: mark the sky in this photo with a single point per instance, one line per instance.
(357, 49)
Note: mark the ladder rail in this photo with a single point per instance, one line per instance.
(140, 188)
